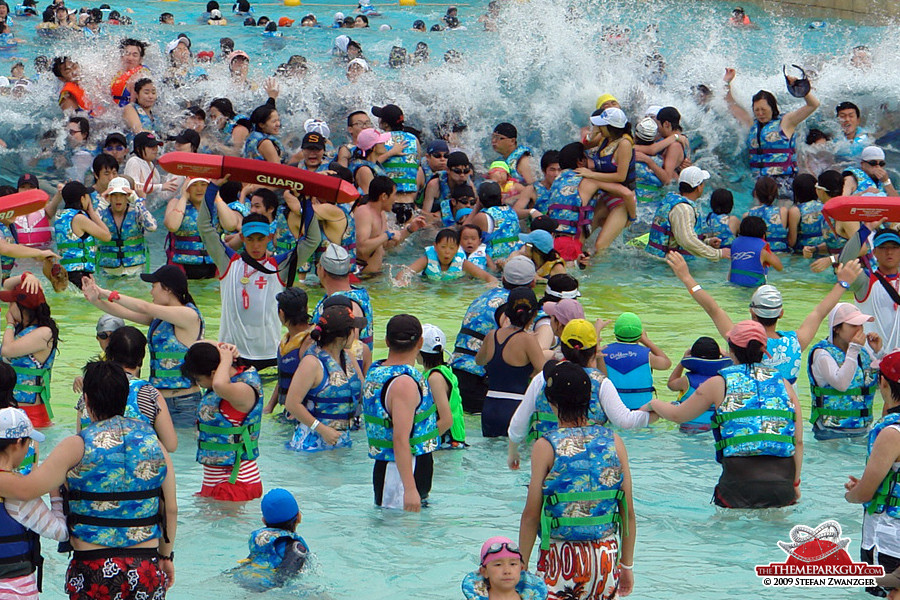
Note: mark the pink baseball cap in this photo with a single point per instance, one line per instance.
(369, 138)
(847, 313)
(499, 547)
(745, 332)
(565, 310)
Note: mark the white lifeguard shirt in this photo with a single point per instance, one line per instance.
(249, 309)
(879, 304)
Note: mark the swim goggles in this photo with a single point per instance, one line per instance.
(498, 547)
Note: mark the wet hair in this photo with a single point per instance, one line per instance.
(379, 186)
(164, 16)
(569, 155)
(765, 321)
(618, 132)
(104, 161)
(270, 200)
(271, 26)
(765, 190)
(294, 317)
(815, 135)
(58, 63)
(579, 356)
(353, 114)
(127, 347)
(8, 380)
(261, 114)
(224, 106)
(722, 201)
(670, 115)
(894, 386)
(141, 84)
(201, 359)
(844, 106)
(520, 315)
(212, 5)
(549, 158)
(752, 227)
(752, 354)
(364, 18)
(83, 125)
(832, 181)
(706, 348)
(39, 317)
(141, 46)
(471, 226)
(431, 360)
(105, 389)
(769, 98)
(446, 234)
(804, 187)
(230, 191)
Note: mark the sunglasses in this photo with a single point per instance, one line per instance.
(114, 148)
(103, 335)
(498, 547)
(439, 154)
(74, 131)
(462, 171)
(876, 163)
(361, 124)
(467, 201)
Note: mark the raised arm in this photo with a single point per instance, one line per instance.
(238, 394)
(217, 250)
(92, 294)
(790, 121)
(846, 273)
(739, 112)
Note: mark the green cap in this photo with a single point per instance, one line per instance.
(628, 327)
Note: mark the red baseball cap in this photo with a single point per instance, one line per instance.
(890, 366)
(23, 298)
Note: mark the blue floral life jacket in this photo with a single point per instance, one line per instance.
(776, 230)
(276, 555)
(887, 497)
(583, 490)
(647, 186)
(380, 427)
(530, 586)
(852, 408)
(864, 182)
(697, 371)
(403, 169)
(126, 248)
(222, 444)
(717, 226)
(251, 146)
(167, 354)
(543, 420)
(504, 239)
(771, 151)
(542, 196)
(433, 269)
(628, 367)
(662, 240)
(114, 492)
(746, 262)
(184, 245)
(513, 161)
(477, 322)
(812, 224)
(478, 257)
(334, 400)
(565, 202)
(76, 253)
(32, 377)
(756, 418)
(784, 355)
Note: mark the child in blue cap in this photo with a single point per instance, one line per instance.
(277, 552)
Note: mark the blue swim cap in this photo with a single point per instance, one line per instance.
(278, 506)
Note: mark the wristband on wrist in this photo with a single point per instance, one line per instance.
(113, 296)
(315, 424)
(25, 273)
(626, 567)
(696, 288)
(170, 556)
(797, 483)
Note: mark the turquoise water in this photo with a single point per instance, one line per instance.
(534, 75)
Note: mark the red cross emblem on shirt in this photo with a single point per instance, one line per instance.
(261, 282)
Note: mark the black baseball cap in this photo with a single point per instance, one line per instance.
(313, 141)
(489, 189)
(389, 112)
(27, 179)
(115, 138)
(170, 276)
(187, 136)
(337, 300)
(146, 139)
(547, 223)
(457, 159)
(507, 130)
(339, 318)
(566, 380)
(404, 329)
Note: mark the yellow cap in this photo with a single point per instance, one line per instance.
(606, 98)
(579, 334)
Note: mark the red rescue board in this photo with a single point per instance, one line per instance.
(863, 208)
(22, 203)
(260, 172)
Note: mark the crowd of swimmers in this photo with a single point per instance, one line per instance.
(532, 365)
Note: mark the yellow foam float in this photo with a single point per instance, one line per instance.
(292, 2)
(407, 2)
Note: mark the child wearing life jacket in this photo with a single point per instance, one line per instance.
(751, 256)
(499, 172)
(630, 361)
(702, 361)
(277, 552)
(502, 574)
(444, 388)
(720, 223)
(444, 261)
(23, 522)
(476, 250)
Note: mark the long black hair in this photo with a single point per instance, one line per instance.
(39, 317)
